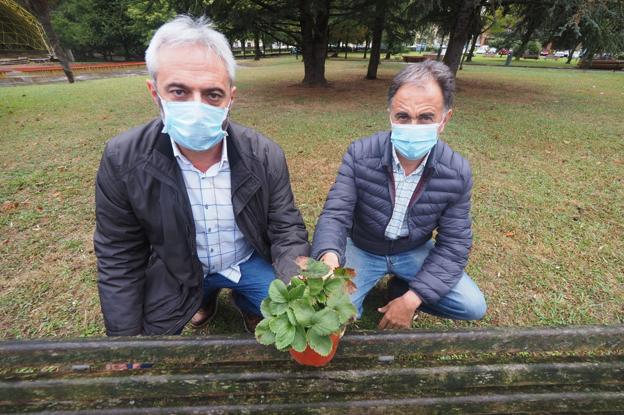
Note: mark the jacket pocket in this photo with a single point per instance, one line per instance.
(164, 296)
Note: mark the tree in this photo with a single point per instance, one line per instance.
(41, 10)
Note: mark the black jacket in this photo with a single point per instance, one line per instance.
(149, 275)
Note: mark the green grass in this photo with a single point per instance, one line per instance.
(481, 60)
(546, 147)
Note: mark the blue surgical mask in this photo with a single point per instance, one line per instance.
(413, 141)
(194, 125)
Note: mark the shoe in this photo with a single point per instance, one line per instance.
(205, 314)
(250, 320)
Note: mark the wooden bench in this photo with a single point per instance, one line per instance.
(516, 370)
(609, 64)
(421, 58)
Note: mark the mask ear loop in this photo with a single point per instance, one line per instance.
(226, 121)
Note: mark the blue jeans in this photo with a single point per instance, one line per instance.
(251, 289)
(464, 302)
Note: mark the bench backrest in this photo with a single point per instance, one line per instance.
(549, 370)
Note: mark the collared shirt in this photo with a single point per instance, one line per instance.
(404, 187)
(221, 247)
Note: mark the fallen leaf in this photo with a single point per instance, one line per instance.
(9, 205)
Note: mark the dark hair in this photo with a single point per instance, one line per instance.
(416, 73)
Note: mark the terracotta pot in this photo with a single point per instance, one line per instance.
(310, 358)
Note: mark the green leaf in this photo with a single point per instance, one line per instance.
(291, 317)
(296, 292)
(321, 297)
(264, 335)
(303, 312)
(278, 308)
(345, 312)
(279, 324)
(278, 292)
(265, 308)
(321, 344)
(337, 299)
(296, 282)
(333, 286)
(315, 285)
(300, 342)
(325, 322)
(344, 272)
(315, 269)
(284, 339)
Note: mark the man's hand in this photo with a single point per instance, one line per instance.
(398, 313)
(331, 260)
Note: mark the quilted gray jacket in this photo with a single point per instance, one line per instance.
(360, 204)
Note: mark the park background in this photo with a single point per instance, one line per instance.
(545, 141)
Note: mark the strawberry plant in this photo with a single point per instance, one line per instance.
(308, 311)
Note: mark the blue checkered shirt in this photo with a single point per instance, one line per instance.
(404, 188)
(221, 247)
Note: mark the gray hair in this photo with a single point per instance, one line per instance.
(186, 30)
(417, 73)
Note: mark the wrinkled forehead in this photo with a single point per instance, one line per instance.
(187, 59)
(425, 94)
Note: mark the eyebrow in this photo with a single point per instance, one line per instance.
(204, 91)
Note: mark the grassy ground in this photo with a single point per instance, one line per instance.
(546, 147)
(486, 60)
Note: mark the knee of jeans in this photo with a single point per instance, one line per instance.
(477, 308)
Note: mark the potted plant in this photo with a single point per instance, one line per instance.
(309, 315)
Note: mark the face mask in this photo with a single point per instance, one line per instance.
(194, 125)
(413, 141)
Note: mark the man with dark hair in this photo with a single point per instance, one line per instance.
(393, 190)
(191, 202)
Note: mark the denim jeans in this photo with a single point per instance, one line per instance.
(464, 302)
(251, 289)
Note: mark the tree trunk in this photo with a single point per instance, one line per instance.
(378, 26)
(346, 48)
(526, 37)
(366, 42)
(440, 48)
(461, 31)
(571, 53)
(389, 47)
(256, 46)
(243, 48)
(39, 9)
(314, 18)
(461, 63)
(475, 35)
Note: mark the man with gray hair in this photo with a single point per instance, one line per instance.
(393, 191)
(191, 202)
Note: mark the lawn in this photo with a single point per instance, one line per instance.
(495, 60)
(546, 148)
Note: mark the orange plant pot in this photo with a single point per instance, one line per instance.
(310, 358)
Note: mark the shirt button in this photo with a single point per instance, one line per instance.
(207, 206)
(211, 249)
(209, 229)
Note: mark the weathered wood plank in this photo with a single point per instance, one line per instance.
(546, 370)
(276, 387)
(356, 346)
(542, 403)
